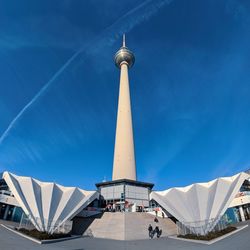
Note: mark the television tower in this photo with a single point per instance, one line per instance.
(124, 156)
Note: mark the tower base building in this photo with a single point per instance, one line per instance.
(125, 195)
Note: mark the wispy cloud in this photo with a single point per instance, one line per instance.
(123, 25)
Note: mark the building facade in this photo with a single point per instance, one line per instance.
(9, 208)
(125, 195)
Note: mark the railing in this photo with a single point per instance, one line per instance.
(48, 226)
(201, 227)
(149, 209)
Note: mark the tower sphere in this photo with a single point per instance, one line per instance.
(124, 55)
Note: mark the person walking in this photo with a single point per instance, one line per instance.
(156, 220)
(150, 231)
(156, 212)
(158, 232)
(163, 215)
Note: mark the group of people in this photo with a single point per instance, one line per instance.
(152, 232)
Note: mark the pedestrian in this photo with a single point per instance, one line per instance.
(163, 215)
(158, 232)
(156, 220)
(150, 231)
(156, 212)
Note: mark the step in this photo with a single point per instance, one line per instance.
(127, 226)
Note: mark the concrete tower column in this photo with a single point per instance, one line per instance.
(124, 157)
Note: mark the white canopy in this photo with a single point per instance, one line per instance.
(200, 202)
(47, 204)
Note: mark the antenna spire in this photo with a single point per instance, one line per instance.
(123, 41)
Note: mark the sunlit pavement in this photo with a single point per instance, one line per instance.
(238, 241)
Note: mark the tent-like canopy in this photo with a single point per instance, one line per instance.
(47, 204)
(200, 203)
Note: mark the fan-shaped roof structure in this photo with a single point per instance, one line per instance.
(200, 202)
(47, 204)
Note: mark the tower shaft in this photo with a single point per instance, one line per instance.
(124, 156)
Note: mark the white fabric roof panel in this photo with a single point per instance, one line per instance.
(47, 204)
(200, 201)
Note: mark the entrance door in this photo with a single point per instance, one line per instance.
(2, 210)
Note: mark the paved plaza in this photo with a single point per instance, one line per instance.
(11, 241)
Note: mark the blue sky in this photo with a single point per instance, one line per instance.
(190, 88)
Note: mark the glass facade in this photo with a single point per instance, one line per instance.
(126, 193)
(232, 215)
(10, 212)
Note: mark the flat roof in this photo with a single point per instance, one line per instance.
(125, 181)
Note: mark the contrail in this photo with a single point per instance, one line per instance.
(124, 24)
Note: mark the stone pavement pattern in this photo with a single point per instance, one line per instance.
(11, 241)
